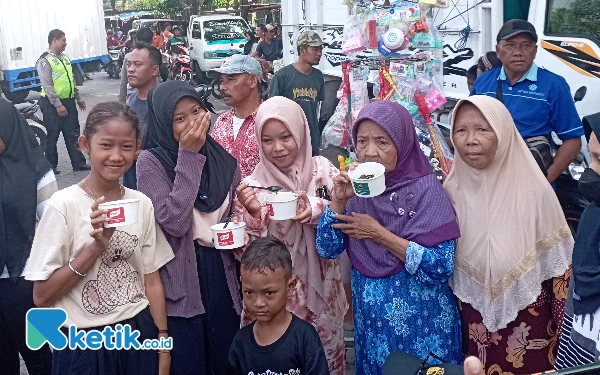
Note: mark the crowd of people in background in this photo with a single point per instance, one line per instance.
(479, 266)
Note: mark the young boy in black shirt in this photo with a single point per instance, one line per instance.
(278, 342)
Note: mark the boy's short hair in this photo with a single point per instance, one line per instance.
(267, 252)
(472, 72)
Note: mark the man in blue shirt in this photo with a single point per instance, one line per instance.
(143, 65)
(539, 101)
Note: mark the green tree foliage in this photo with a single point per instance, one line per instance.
(159, 6)
(578, 17)
(221, 3)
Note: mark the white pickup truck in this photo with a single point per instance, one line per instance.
(569, 40)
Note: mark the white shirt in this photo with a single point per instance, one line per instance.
(237, 125)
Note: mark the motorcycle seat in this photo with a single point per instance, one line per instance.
(22, 107)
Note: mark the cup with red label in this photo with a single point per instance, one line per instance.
(121, 213)
(282, 205)
(232, 237)
(368, 179)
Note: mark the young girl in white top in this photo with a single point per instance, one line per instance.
(103, 276)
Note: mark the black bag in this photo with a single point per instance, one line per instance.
(540, 146)
(400, 363)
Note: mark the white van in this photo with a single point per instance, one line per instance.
(212, 38)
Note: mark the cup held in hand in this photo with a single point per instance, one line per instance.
(368, 179)
(121, 213)
(232, 237)
(282, 206)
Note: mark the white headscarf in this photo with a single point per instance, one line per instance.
(514, 233)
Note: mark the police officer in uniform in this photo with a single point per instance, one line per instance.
(59, 101)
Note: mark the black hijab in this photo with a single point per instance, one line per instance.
(250, 43)
(586, 253)
(219, 168)
(22, 165)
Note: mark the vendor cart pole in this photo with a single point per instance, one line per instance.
(346, 67)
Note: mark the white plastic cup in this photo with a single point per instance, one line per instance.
(121, 213)
(368, 187)
(232, 237)
(282, 206)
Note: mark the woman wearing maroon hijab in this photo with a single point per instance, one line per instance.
(401, 245)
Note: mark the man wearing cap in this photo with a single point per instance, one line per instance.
(303, 83)
(539, 101)
(270, 48)
(240, 82)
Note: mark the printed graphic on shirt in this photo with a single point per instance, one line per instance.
(300, 93)
(117, 283)
(269, 372)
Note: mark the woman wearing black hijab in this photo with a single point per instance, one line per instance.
(580, 340)
(26, 182)
(191, 181)
(251, 43)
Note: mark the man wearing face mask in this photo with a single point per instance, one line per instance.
(579, 340)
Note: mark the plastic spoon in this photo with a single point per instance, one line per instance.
(228, 220)
(272, 189)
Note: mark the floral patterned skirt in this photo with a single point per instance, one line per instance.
(399, 314)
(528, 345)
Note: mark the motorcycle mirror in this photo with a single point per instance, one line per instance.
(580, 94)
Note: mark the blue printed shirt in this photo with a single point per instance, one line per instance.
(539, 103)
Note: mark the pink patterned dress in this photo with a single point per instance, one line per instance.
(329, 323)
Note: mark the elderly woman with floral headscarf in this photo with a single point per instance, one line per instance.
(286, 160)
(401, 246)
(515, 240)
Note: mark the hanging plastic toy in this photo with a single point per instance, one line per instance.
(393, 40)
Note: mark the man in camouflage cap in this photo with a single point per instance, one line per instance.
(303, 83)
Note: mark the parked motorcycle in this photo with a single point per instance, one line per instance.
(113, 68)
(180, 68)
(567, 190)
(29, 109)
